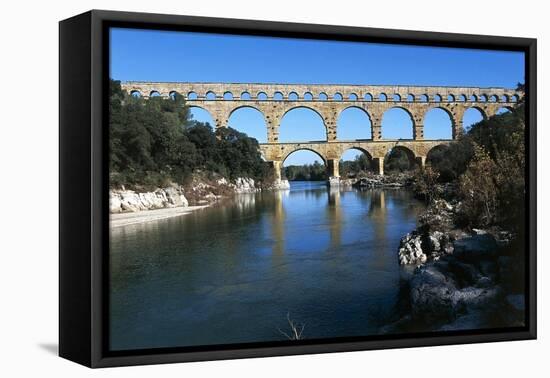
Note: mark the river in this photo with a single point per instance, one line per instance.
(231, 273)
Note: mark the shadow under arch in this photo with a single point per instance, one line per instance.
(388, 112)
(438, 159)
(399, 159)
(310, 111)
(249, 126)
(428, 131)
(349, 109)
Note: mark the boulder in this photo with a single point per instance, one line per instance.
(410, 250)
(115, 205)
(516, 301)
(476, 247)
(431, 294)
(175, 197)
(334, 181)
(245, 185)
(281, 185)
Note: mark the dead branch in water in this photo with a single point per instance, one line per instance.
(296, 330)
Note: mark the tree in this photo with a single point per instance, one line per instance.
(155, 141)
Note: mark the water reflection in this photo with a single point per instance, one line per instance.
(230, 273)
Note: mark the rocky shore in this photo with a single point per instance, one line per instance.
(371, 181)
(456, 279)
(200, 192)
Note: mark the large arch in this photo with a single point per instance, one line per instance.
(397, 123)
(354, 123)
(438, 124)
(471, 116)
(302, 124)
(301, 164)
(504, 110)
(200, 114)
(399, 159)
(249, 120)
(354, 162)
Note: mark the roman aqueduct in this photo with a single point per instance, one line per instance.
(329, 101)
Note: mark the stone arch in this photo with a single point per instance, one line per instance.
(245, 95)
(367, 132)
(437, 98)
(207, 115)
(396, 97)
(424, 98)
(259, 133)
(173, 94)
(192, 95)
(472, 115)
(357, 148)
(389, 112)
(461, 98)
(210, 95)
(430, 132)
(368, 97)
(261, 96)
(504, 109)
(323, 96)
(278, 96)
(337, 96)
(293, 96)
(514, 98)
(358, 165)
(382, 97)
(393, 160)
(410, 97)
(308, 96)
(154, 93)
(310, 110)
(473, 98)
(436, 158)
(504, 98)
(135, 93)
(352, 97)
(286, 154)
(228, 95)
(435, 149)
(493, 98)
(450, 98)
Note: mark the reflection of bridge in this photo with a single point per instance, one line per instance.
(275, 100)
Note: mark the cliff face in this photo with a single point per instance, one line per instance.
(130, 201)
(199, 192)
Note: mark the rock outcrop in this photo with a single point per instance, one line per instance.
(130, 201)
(280, 185)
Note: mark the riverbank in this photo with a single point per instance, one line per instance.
(139, 206)
(455, 278)
(126, 219)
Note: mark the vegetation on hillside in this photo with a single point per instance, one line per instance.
(155, 141)
(487, 166)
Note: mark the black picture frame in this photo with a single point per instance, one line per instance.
(83, 178)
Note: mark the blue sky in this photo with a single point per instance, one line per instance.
(145, 55)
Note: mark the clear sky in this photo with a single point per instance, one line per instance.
(145, 55)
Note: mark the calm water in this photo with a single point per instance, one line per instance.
(231, 273)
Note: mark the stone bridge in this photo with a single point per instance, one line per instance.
(329, 101)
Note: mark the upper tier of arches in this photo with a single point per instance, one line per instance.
(336, 93)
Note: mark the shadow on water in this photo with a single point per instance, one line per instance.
(231, 273)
